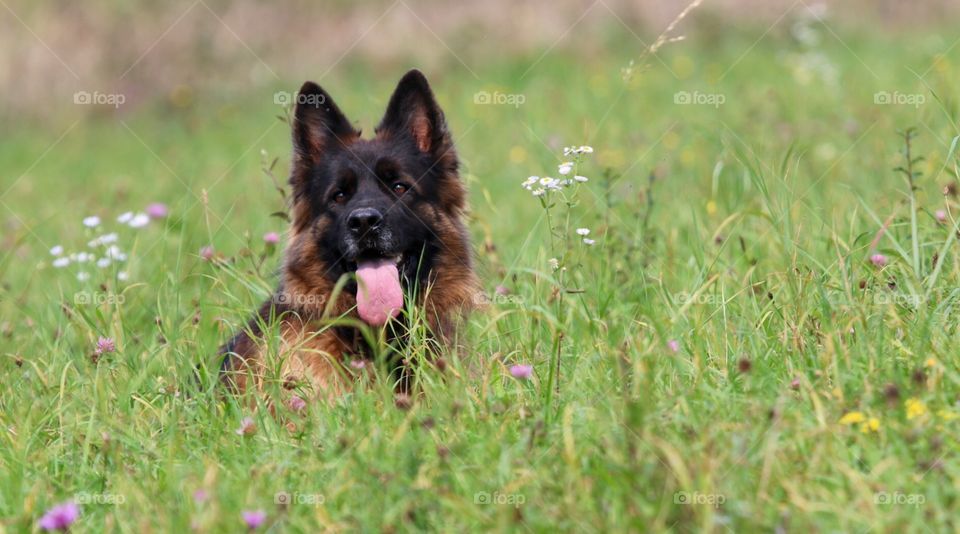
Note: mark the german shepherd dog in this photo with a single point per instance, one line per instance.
(377, 231)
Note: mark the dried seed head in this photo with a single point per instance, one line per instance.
(891, 392)
(402, 401)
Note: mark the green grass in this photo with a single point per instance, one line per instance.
(742, 231)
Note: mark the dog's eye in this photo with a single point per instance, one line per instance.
(399, 188)
(339, 197)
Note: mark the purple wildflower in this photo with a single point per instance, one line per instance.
(207, 253)
(200, 496)
(878, 260)
(271, 238)
(673, 345)
(60, 517)
(254, 519)
(522, 372)
(157, 210)
(941, 216)
(247, 427)
(296, 403)
(105, 345)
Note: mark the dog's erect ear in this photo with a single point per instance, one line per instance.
(413, 113)
(318, 123)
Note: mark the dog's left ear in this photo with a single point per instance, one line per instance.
(413, 113)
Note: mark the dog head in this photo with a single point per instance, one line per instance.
(385, 211)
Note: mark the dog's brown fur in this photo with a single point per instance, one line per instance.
(313, 345)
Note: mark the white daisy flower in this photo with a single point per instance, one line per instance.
(103, 240)
(529, 182)
(83, 257)
(61, 262)
(583, 231)
(554, 263)
(122, 275)
(587, 241)
(83, 276)
(586, 149)
(114, 253)
(565, 168)
(103, 263)
(56, 250)
(139, 220)
(580, 179)
(92, 221)
(539, 192)
(125, 217)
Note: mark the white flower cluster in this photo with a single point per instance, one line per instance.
(540, 186)
(584, 232)
(132, 220)
(105, 250)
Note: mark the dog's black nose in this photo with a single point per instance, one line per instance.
(362, 220)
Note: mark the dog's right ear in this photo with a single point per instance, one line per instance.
(318, 124)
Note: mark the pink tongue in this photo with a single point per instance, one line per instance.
(379, 296)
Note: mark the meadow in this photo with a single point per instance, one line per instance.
(755, 332)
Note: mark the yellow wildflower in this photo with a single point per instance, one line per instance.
(915, 408)
(931, 362)
(870, 425)
(852, 418)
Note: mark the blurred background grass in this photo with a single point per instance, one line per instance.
(199, 81)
